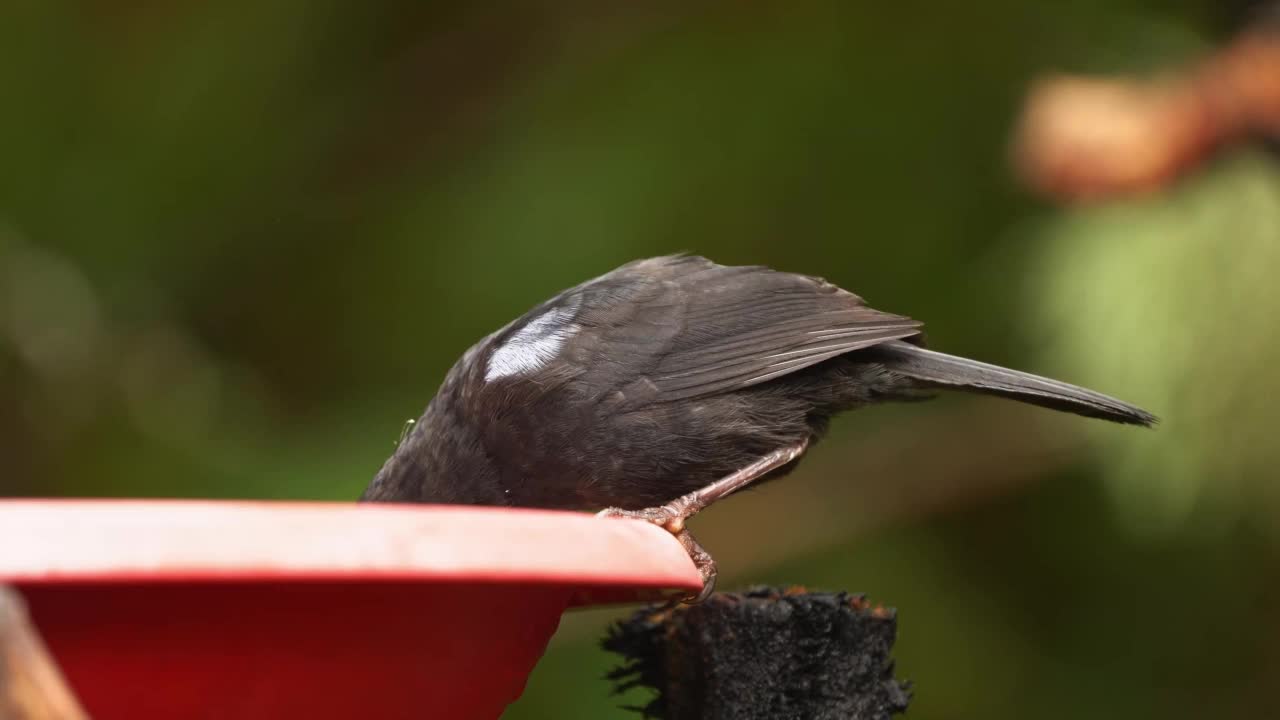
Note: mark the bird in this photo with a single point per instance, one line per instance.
(671, 382)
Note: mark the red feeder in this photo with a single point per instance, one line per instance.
(289, 610)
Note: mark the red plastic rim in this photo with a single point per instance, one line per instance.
(51, 541)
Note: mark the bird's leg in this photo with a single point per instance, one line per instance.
(672, 516)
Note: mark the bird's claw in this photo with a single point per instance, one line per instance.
(706, 567)
(672, 520)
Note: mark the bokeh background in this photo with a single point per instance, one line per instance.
(241, 242)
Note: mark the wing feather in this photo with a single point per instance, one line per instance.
(707, 328)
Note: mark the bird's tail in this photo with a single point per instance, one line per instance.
(935, 369)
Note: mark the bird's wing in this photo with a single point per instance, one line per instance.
(694, 328)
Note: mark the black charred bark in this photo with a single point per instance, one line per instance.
(765, 654)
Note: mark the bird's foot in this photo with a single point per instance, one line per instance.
(672, 520)
(672, 516)
(667, 517)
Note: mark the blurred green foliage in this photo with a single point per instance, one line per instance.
(241, 243)
(1192, 273)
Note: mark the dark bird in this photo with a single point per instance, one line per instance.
(669, 383)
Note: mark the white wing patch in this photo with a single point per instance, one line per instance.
(534, 345)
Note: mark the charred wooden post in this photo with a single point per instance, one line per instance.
(762, 654)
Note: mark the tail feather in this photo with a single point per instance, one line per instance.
(937, 369)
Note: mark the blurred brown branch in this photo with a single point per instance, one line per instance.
(31, 687)
(1089, 137)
